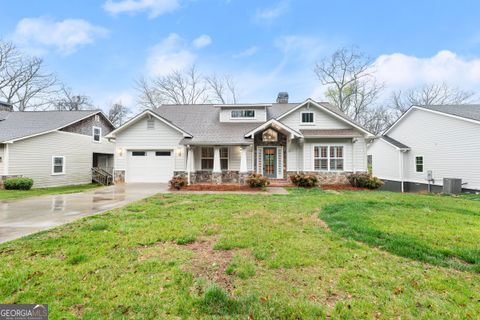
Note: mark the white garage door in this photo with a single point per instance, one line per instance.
(150, 166)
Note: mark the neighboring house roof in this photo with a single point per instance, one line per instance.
(467, 111)
(19, 125)
(313, 133)
(397, 144)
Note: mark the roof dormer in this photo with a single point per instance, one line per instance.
(243, 112)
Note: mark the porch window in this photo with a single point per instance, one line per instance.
(224, 158)
(328, 158)
(208, 156)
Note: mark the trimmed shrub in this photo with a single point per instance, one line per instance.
(304, 180)
(364, 180)
(178, 182)
(256, 180)
(18, 184)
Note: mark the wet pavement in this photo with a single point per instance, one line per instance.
(22, 217)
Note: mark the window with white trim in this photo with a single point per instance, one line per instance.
(419, 164)
(224, 158)
(97, 134)
(307, 117)
(58, 165)
(242, 114)
(328, 158)
(208, 158)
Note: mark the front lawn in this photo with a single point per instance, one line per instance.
(18, 194)
(307, 255)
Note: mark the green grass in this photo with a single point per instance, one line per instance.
(382, 255)
(18, 194)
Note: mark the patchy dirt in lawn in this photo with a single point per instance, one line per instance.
(220, 187)
(205, 262)
(315, 220)
(210, 264)
(341, 187)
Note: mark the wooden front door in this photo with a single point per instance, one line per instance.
(270, 162)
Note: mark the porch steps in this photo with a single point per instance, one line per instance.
(280, 183)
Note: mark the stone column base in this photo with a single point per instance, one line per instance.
(242, 177)
(217, 177)
(119, 176)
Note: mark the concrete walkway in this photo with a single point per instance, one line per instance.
(22, 217)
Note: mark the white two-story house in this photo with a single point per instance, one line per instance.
(227, 142)
(427, 144)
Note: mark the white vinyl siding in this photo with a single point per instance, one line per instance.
(33, 158)
(138, 136)
(294, 156)
(385, 160)
(450, 147)
(2, 156)
(322, 120)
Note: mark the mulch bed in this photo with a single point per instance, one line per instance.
(220, 187)
(341, 187)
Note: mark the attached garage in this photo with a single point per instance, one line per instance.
(150, 165)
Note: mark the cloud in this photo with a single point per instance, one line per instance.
(154, 8)
(67, 35)
(268, 15)
(247, 52)
(172, 53)
(400, 71)
(202, 41)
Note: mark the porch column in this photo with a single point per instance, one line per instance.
(243, 160)
(190, 164)
(216, 160)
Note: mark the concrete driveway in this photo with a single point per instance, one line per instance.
(22, 217)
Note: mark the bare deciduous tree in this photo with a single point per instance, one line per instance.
(351, 86)
(178, 87)
(118, 113)
(223, 89)
(23, 81)
(349, 77)
(429, 94)
(186, 87)
(68, 101)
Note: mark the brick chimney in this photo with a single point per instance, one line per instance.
(282, 97)
(4, 106)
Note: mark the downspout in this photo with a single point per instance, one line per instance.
(400, 153)
(189, 160)
(6, 161)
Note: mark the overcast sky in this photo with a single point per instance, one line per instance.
(98, 47)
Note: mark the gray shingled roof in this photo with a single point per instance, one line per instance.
(395, 142)
(17, 125)
(468, 111)
(202, 122)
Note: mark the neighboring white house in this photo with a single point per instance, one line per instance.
(225, 143)
(429, 141)
(54, 148)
